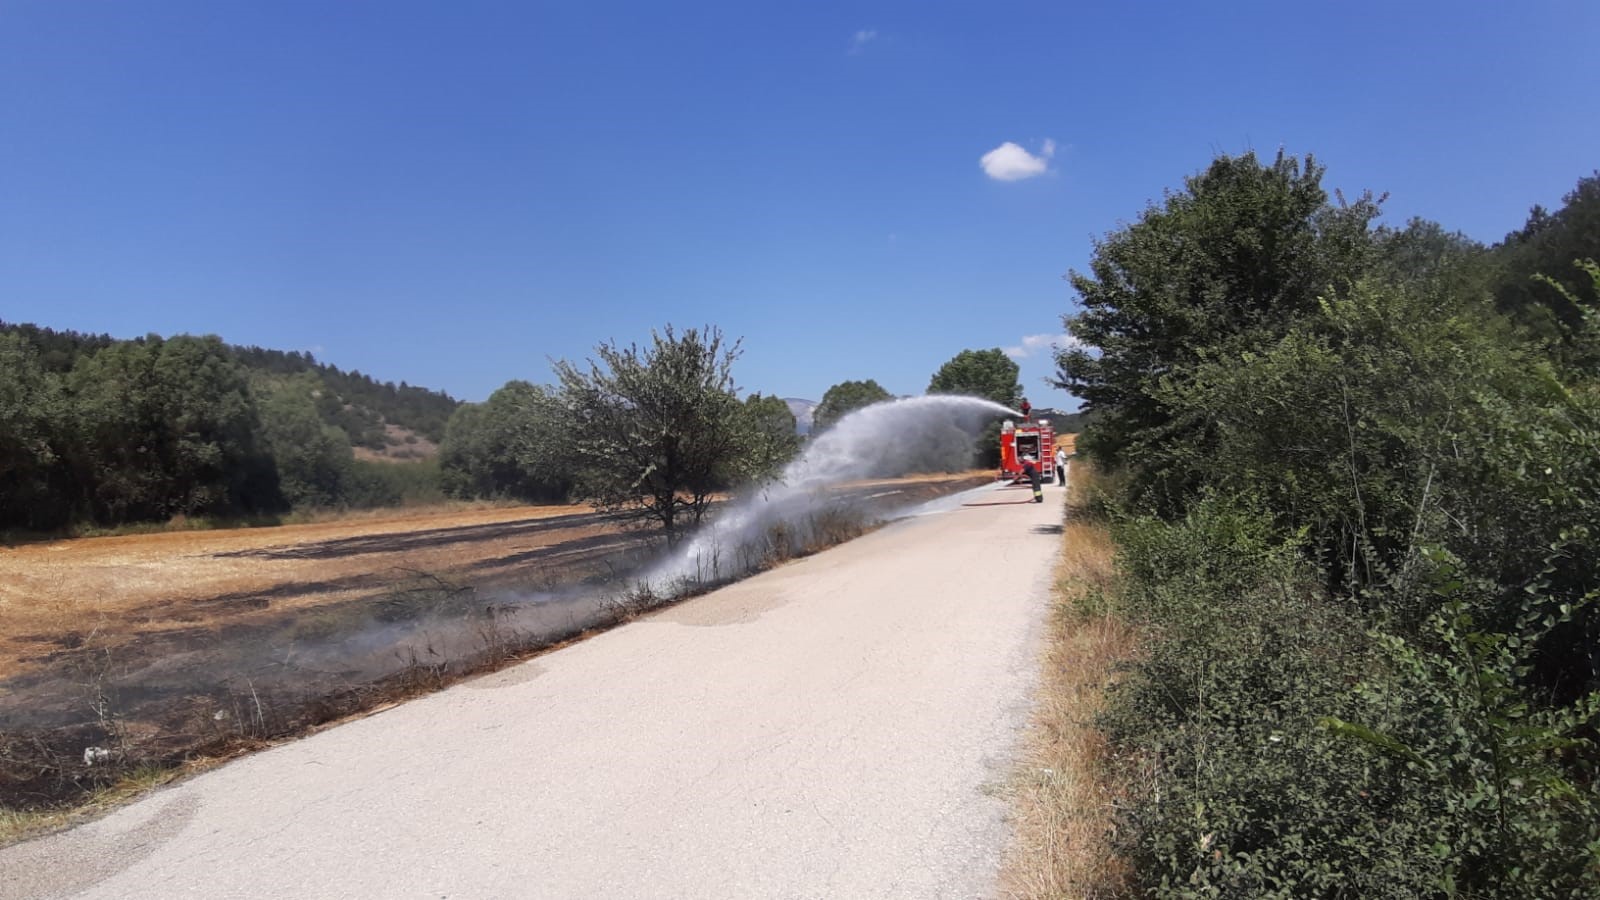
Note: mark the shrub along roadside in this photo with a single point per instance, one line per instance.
(1274, 746)
(1358, 527)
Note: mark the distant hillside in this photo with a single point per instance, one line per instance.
(387, 420)
(377, 415)
(804, 413)
(1064, 422)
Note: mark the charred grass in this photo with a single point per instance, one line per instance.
(108, 712)
(1064, 794)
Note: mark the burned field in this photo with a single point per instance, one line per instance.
(127, 652)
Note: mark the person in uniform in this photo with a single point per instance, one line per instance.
(1030, 468)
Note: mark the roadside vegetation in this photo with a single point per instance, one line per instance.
(1354, 492)
(1065, 794)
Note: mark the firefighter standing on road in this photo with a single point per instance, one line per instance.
(1030, 468)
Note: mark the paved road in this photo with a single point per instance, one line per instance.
(835, 728)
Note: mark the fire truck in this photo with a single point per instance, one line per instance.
(1027, 438)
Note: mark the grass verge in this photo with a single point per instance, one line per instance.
(1064, 793)
(16, 825)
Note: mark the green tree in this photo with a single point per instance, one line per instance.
(989, 374)
(1371, 423)
(1548, 245)
(32, 426)
(463, 454)
(169, 427)
(657, 430)
(516, 444)
(1221, 266)
(844, 398)
(313, 459)
(773, 440)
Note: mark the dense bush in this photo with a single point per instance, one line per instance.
(514, 445)
(1280, 747)
(377, 484)
(1360, 523)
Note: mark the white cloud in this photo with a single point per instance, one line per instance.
(1035, 343)
(860, 40)
(1009, 162)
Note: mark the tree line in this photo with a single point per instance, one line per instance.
(653, 432)
(1355, 483)
(106, 432)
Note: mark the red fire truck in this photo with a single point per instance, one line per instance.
(1027, 438)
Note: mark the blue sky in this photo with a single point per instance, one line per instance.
(451, 193)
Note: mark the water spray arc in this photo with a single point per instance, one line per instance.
(878, 441)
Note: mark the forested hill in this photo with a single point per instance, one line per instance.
(352, 401)
(367, 402)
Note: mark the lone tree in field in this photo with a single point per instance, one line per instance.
(846, 397)
(657, 430)
(989, 374)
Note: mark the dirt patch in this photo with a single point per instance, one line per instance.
(401, 445)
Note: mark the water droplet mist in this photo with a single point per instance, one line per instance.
(932, 433)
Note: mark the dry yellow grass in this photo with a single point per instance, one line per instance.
(20, 825)
(1063, 793)
(122, 586)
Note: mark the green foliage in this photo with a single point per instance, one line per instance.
(32, 422)
(58, 351)
(314, 460)
(1547, 245)
(1238, 792)
(355, 403)
(359, 404)
(1423, 253)
(1225, 264)
(376, 484)
(989, 374)
(517, 444)
(1490, 771)
(1367, 512)
(773, 441)
(1579, 348)
(1267, 775)
(168, 427)
(97, 430)
(657, 430)
(846, 397)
